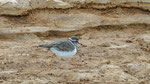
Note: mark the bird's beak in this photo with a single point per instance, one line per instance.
(80, 43)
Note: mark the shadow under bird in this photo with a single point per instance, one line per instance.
(63, 48)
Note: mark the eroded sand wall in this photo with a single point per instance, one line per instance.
(20, 7)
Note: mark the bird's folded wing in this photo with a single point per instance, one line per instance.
(54, 44)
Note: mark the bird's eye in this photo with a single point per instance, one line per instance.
(76, 41)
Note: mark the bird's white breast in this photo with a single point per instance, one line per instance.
(64, 53)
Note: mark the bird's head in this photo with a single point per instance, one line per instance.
(75, 40)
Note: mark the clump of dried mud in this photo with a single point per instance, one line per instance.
(112, 54)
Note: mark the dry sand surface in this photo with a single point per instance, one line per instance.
(112, 54)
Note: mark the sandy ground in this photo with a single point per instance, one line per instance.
(110, 55)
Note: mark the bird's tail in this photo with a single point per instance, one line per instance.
(41, 46)
(45, 46)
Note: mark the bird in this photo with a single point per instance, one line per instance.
(63, 48)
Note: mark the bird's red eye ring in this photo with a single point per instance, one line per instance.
(76, 41)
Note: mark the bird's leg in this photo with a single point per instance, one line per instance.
(73, 62)
(52, 59)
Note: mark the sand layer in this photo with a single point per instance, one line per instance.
(116, 47)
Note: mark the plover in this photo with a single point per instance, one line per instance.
(63, 48)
